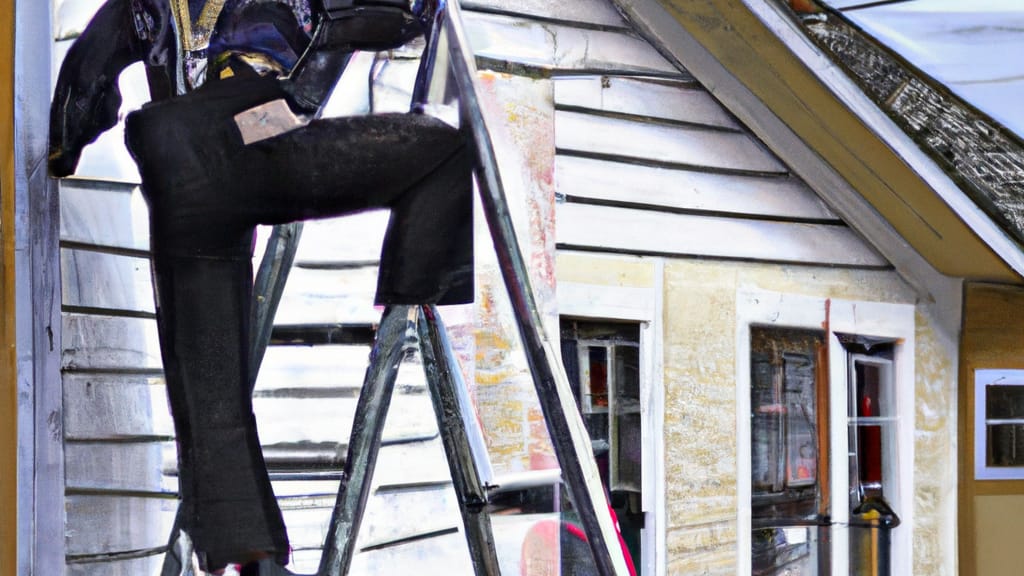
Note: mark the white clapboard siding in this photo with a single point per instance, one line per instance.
(580, 12)
(355, 238)
(115, 407)
(145, 566)
(646, 97)
(778, 197)
(652, 232)
(141, 523)
(285, 421)
(314, 296)
(508, 39)
(120, 467)
(284, 367)
(110, 282)
(447, 554)
(581, 133)
(102, 213)
(109, 343)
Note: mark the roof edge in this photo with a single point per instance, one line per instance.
(940, 291)
(854, 96)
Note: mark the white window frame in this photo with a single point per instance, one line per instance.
(643, 305)
(982, 379)
(878, 319)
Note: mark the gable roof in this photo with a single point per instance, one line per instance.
(755, 58)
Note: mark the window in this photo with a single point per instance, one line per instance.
(825, 422)
(784, 447)
(999, 424)
(602, 361)
(871, 425)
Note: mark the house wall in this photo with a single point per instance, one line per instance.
(700, 300)
(991, 512)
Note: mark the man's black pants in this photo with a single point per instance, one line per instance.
(206, 192)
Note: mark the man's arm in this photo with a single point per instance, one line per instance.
(87, 98)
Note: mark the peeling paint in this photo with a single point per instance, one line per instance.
(520, 113)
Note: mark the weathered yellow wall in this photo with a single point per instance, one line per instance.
(1000, 524)
(8, 390)
(991, 512)
(700, 400)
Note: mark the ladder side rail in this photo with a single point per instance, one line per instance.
(568, 434)
(441, 369)
(396, 339)
(268, 289)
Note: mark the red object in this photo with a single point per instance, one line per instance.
(804, 6)
(542, 546)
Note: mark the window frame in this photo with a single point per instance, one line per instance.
(982, 379)
(877, 319)
(642, 305)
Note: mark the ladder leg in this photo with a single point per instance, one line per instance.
(268, 288)
(440, 367)
(392, 344)
(568, 435)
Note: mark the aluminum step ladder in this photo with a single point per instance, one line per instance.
(403, 329)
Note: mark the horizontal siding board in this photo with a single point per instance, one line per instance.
(396, 515)
(116, 524)
(561, 48)
(355, 238)
(112, 406)
(593, 12)
(287, 367)
(690, 146)
(447, 554)
(769, 196)
(413, 462)
(104, 214)
(104, 281)
(124, 467)
(676, 101)
(652, 232)
(108, 343)
(324, 296)
(307, 527)
(287, 421)
(132, 567)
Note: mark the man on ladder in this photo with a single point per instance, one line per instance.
(231, 141)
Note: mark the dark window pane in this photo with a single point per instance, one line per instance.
(1005, 445)
(784, 444)
(628, 446)
(1004, 402)
(598, 377)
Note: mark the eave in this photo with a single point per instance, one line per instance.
(761, 65)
